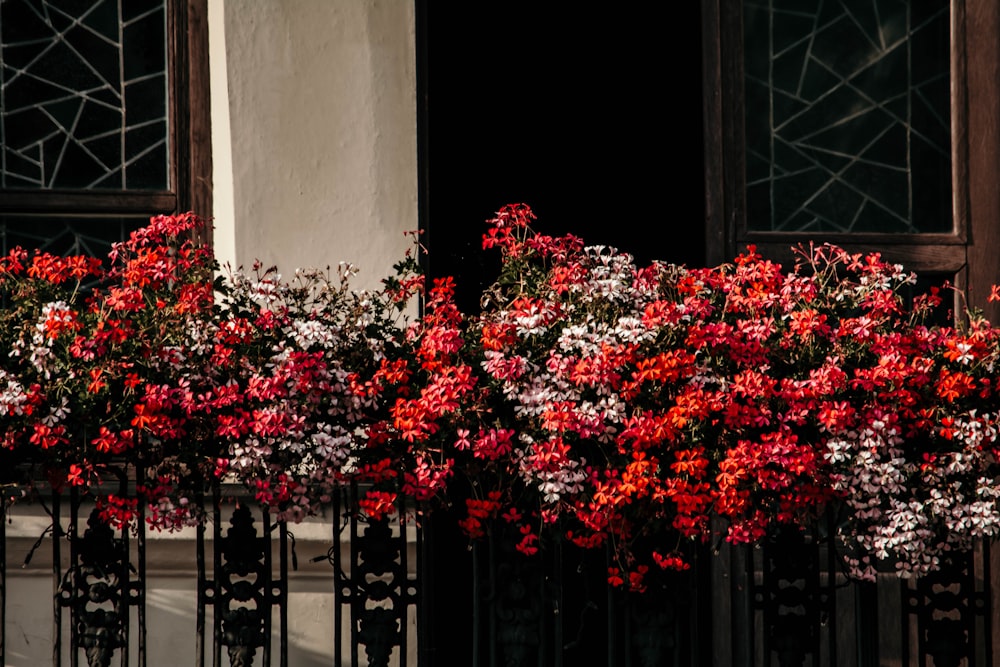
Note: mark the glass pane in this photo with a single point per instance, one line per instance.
(848, 116)
(83, 95)
(67, 235)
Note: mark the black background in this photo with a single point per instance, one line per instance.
(589, 113)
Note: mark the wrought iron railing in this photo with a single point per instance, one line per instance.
(784, 603)
(242, 589)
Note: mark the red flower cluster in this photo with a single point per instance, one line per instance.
(91, 347)
(640, 402)
(592, 400)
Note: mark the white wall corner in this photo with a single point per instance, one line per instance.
(223, 213)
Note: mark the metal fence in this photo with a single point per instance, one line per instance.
(783, 603)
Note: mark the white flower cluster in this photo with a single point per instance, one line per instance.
(39, 349)
(313, 333)
(609, 277)
(12, 395)
(554, 472)
(908, 510)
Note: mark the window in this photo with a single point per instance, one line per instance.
(847, 118)
(103, 119)
(870, 124)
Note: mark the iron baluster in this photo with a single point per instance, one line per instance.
(741, 601)
(74, 558)
(95, 592)
(405, 597)
(10, 493)
(379, 590)
(791, 598)
(492, 598)
(3, 582)
(341, 592)
(477, 611)
(654, 623)
(280, 596)
(558, 642)
(986, 606)
(947, 604)
(519, 607)
(544, 649)
(628, 631)
(355, 599)
(828, 592)
(379, 627)
(264, 606)
(421, 603)
(866, 623)
(243, 581)
(57, 535)
(216, 573)
(124, 593)
(611, 620)
(203, 589)
(138, 591)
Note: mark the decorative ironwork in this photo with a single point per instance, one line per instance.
(243, 591)
(8, 494)
(655, 621)
(793, 601)
(555, 607)
(947, 606)
(516, 609)
(242, 588)
(377, 588)
(83, 95)
(99, 587)
(847, 116)
(527, 601)
(99, 603)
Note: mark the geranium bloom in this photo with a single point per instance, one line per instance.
(616, 406)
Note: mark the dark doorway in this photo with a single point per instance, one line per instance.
(590, 113)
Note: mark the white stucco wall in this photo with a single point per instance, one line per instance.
(315, 162)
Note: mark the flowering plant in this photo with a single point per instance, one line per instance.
(591, 400)
(638, 400)
(40, 325)
(236, 386)
(299, 387)
(605, 412)
(793, 349)
(290, 387)
(90, 346)
(283, 383)
(916, 465)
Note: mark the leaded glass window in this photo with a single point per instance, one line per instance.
(847, 116)
(66, 235)
(83, 95)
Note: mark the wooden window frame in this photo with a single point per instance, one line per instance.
(970, 252)
(189, 136)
